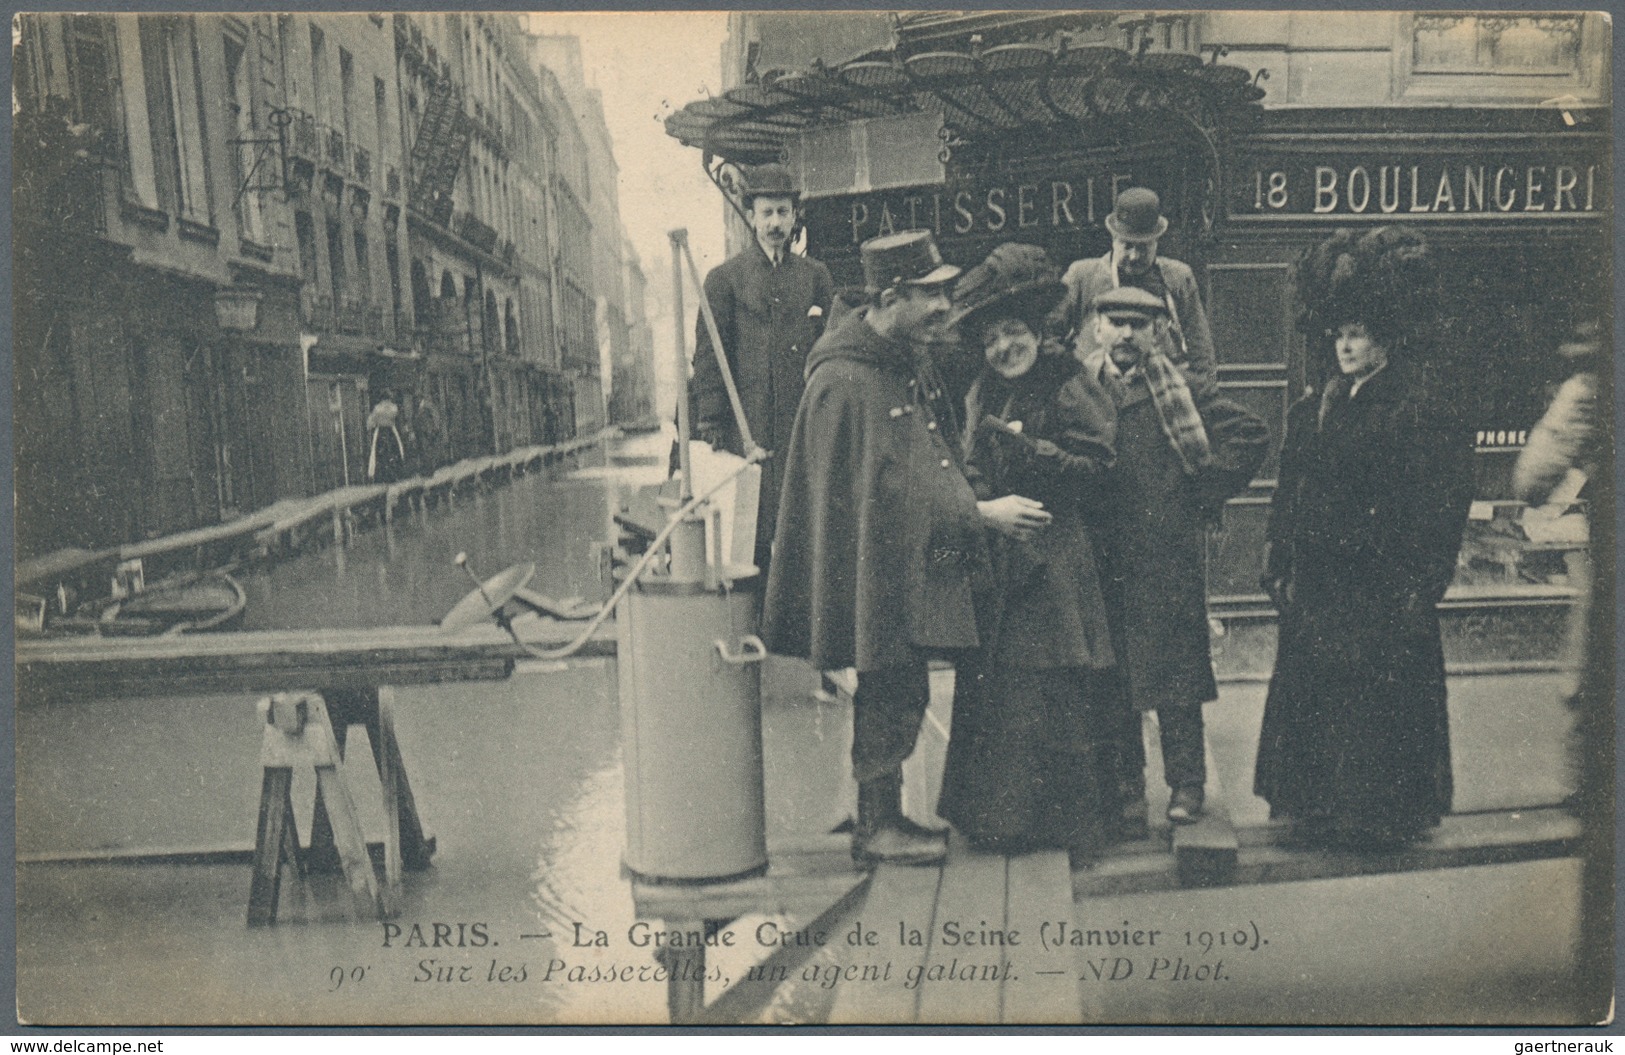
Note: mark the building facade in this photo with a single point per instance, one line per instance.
(237, 233)
(157, 301)
(1263, 132)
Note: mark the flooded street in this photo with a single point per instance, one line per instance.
(521, 784)
(519, 781)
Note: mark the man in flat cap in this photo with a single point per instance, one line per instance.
(1180, 455)
(770, 306)
(879, 533)
(1136, 224)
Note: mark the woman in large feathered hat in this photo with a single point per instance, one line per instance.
(1364, 530)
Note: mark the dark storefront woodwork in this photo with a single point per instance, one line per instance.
(1032, 146)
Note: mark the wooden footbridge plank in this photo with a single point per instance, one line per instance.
(962, 981)
(898, 897)
(1042, 987)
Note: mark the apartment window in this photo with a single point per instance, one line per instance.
(240, 123)
(392, 260)
(380, 109)
(363, 267)
(1528, 44)
(187, 114)
(335, 260)
(90, 69)
(140, 178)
(347, 93)
(318, 72)
(306, 231)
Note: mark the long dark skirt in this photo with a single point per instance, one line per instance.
(1024, 767)
(1355, 742)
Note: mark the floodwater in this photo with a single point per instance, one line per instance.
(403, 572)
(521, 783)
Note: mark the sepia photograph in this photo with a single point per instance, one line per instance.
(838, 518)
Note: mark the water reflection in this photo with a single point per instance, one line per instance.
(402, 573)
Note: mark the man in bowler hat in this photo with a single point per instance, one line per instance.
(1136, 224)
(770, 306)
(879, 532)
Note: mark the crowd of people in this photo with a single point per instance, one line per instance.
(1044, 526)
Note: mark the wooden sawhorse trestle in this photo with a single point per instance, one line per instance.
(308, 729)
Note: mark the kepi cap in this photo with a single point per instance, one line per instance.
(907, 258)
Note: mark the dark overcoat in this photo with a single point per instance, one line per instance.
(879, 535)
(1024, 764)
(1050, 612)
(1152, 545)
(769, 318)
(1365, 526)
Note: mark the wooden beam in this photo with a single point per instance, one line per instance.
(276, 660)
(1464, 840)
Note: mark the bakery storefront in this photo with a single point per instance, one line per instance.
(1030, 143)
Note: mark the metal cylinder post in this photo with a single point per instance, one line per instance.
(691, 730)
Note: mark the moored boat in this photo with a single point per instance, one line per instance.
(185, 604)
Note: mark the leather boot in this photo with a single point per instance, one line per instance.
(885, 835)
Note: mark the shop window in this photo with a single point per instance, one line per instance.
(1532, 44)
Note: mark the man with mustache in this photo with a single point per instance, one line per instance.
(1136, 225)
(770, 306)
(1180, 454)
(879, 533)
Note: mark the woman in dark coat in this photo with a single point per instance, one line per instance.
(1366, 523)
(1023, 766)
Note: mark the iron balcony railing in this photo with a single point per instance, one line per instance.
(477, 233)
(335, 149)
(304, 142)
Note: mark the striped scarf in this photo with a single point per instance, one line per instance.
(1176, 410)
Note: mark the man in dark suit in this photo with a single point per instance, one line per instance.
(770, 306)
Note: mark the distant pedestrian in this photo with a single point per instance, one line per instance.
(430, 429)
(386, 455)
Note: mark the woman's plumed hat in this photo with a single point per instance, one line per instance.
(1015, 281)
(1384, 278)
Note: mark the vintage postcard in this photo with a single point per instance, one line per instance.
(814, 518)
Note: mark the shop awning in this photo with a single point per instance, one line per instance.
(981, 94)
